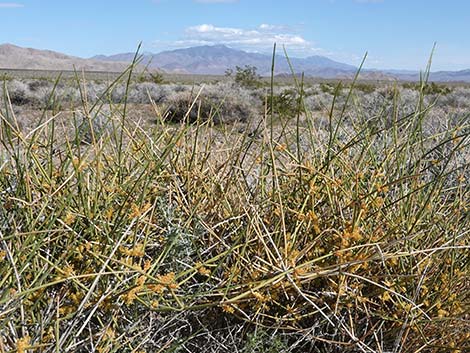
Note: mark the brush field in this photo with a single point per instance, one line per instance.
(215, 216)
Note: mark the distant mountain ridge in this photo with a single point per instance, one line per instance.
(215, 60)
(208, 60)
(439, 76)
(15, 57)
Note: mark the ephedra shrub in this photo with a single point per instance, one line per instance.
(349, 236)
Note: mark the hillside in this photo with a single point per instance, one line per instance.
(14, 57)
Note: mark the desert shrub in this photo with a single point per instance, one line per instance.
(434, 88)
(458, 98)
(41, 94)
(285, 103)
(94, 90)
(35, 93)
(5, 77)
(92, 126)
(431, 88)
(117, 93)
(213, 104)
(152, 77)
(246, 76)
(19, 93)
(35, 85)
(330, 88)
(146, 92)
(68, 94)
(321, 101)
(326, 93)
(312, 90)
(375, 104)
(184, 107)
(363, 87)
(350, 234)
(412, 86)
(157, 77)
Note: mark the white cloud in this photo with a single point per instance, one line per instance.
(10, 5)
(268, 27)
(260, 38)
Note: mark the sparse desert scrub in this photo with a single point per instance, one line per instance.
(349, 234)
(458, 98)
(218, 103)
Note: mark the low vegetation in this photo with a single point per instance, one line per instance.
(429, 88)
(224, 222)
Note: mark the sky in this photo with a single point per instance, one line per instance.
(396, 34)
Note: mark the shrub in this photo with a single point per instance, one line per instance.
(19, 93)
(429, 88)
(157, 77)
(330, 88)
(90, 127)
(246, 76)
(458, 98)
(5, 77)
(344, 234)
(286, 103)
(37, 84)
(151, 76)
(364, 87)
(212, 105)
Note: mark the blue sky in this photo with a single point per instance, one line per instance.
(396, 33)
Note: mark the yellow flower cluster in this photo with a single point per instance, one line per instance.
(131, 295)
(312, 217)
(202, 270)
(137, 211)
(69, 218)
(260, 297)
(3, 254)
(137, 251)
(23, 344)
(78, 164)
(156, 288)
(168, 280)
(350, 236)
(228, 308)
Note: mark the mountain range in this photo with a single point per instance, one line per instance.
(208, 60)
(215, 60)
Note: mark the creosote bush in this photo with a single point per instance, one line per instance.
(347, 236)
(429, 88)
(246, 76)
(287, 103)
